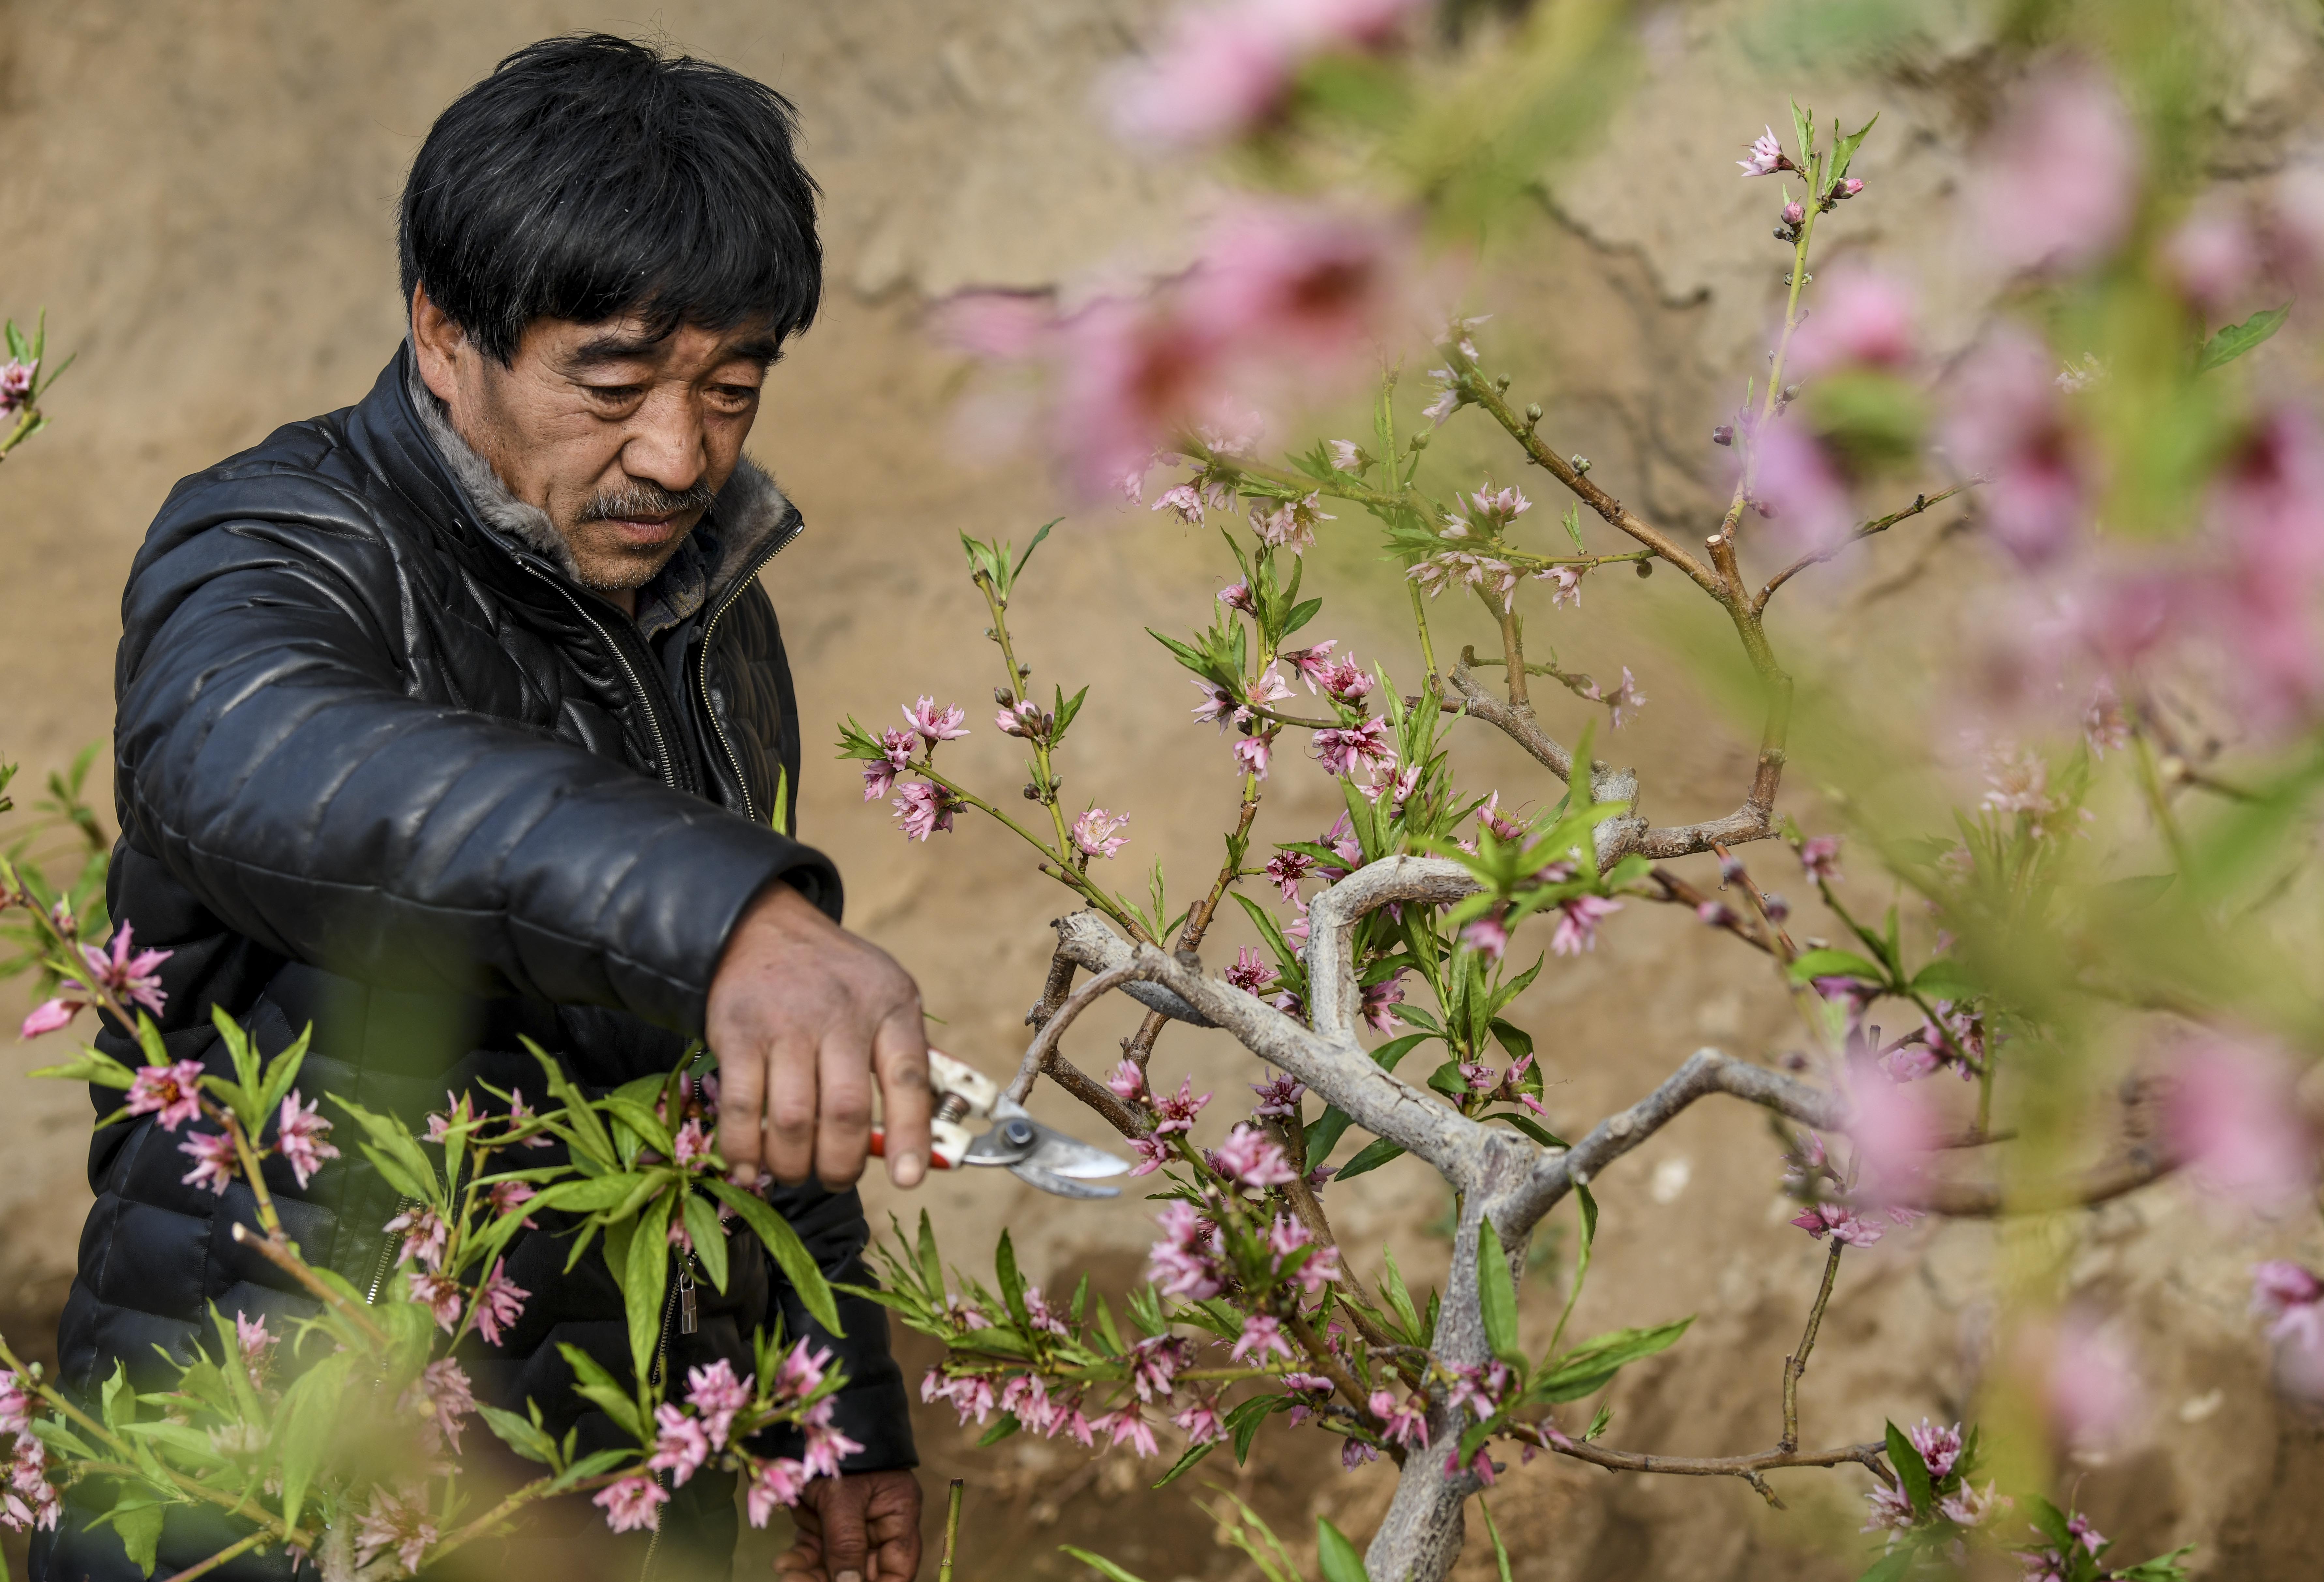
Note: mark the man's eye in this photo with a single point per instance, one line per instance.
(615, 394)
(734, 395)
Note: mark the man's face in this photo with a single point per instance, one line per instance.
(623, 439)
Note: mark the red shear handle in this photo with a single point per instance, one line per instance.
(937, 1160)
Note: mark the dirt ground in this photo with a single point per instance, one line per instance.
(202, 198)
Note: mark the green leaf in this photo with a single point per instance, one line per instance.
(413, 1173)
(1371, 1157)
(93, 1067)
(2047, 1519)
(1911, 1472)
(709, 1238)
(282, 1071)
(1340, 1560)
(1944, 978)
(1497, 1296)
(310, 1413)
(1000, 1430)
(140, 1527)
(641, 1120)
(1530, 1128)
(1242, 1422)
(1890, 1567)
(2235, 339)
(1590, 1366)
(1018, 570)
(2161, 1568)
(1830, 963)
(1012, 1284)
(645, 1282)
(790, 1254)
(1100, 1564)
(526, 1439)
(1802, 131)
(1392, 1287)
(1844, 150)
(594, 1384)
(1185, 1463)
(1493, 1531)
(1573, 524)
(931, 1266)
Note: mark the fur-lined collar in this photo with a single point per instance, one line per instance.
(750, 510)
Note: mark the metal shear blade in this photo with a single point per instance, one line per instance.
(1039, 1155)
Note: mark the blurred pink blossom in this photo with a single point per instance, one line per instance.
(2056, 185)
(2211, 258)
(777, 1481)
(1892, 1127)
(2267, 505)
(1577, 923)
(2090, 1382)
(1863, 320)
(2229, 1116)
(2292, 1298)
(633, 1502)
(298, 1137)
(1796, 484)
(1298, 282)
(214, 1160)
(49, 1016)
(1223, 72)
(2007, 423)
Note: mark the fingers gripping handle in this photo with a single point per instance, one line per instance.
(962, 1093)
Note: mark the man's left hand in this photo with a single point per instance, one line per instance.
(863, 1527)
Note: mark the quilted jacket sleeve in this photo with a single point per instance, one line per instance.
(269, 752)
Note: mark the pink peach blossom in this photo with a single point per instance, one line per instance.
(2056, 186)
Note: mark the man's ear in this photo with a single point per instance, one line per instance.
(437, 343)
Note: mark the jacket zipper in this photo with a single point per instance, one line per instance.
(709, 630)
(663, 761)
(388, 1248)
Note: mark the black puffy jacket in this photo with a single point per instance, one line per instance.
(383, 768)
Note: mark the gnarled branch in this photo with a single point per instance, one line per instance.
(1706, 1072)
(1380, 1101)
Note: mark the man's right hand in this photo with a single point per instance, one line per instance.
(803, 1014)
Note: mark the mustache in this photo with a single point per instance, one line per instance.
(646, 499)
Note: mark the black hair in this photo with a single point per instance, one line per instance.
(589, 177)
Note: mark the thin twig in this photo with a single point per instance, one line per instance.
(1920, 502)
(1744, 1466)
(1054, 1028)
(1797, 1363)
(278, 1253)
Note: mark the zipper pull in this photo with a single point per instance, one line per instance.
(687, 1318)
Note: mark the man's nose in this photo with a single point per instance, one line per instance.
(666, 443)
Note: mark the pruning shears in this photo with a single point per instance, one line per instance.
(1034, 1154)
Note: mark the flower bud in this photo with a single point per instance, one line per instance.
(1645, 568)
(1032, 792)
(1723, 434)
(1794, 214)
(1420, 440)
(1848, 188)
(1000, 695)
(1777, 908)
(1533, 412)
(1578, 462)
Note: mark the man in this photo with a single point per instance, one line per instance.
(459, 717)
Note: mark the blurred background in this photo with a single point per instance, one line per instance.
(201, 196)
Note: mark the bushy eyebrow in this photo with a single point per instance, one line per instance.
(765, 350)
